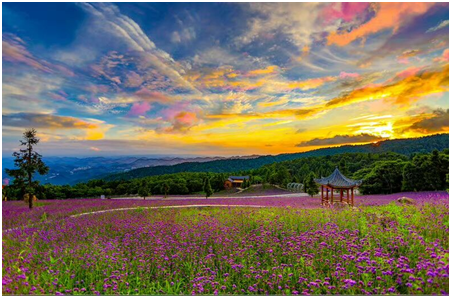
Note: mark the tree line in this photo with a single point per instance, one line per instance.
(405, 147)
(381, 173)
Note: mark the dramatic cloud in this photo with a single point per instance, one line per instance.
(407, 90)
(346, 11)
(341, 139)
(193, 80)
(388, 16)
(437, 121)
(27, 120)
(110, 19)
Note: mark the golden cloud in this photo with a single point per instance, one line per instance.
(401, 92)
(265, 71)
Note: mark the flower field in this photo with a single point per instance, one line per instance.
(292, 247)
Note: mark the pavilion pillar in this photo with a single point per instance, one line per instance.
(341, 195)
(347, 195)
(352, 197)
(322, 195)
(332, 195)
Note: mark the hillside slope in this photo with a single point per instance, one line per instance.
(402, 146)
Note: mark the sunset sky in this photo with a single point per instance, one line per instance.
(222, 79)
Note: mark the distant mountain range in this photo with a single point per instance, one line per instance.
(72, 170)
(402, 146)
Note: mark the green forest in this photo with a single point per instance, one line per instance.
(382, 173)
(402, 146)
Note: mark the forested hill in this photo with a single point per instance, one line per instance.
(402, 146)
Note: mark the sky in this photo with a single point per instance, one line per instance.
(221, 79)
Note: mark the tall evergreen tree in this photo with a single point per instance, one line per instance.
(207, 187)
(28, 163)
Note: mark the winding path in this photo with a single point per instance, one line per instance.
(140, 207)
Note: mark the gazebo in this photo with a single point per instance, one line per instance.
(337, 181)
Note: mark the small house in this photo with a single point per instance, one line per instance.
(235, 181)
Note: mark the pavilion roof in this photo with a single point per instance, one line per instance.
(338, 180)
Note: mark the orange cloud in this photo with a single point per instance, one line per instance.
(181, 122)
(402, 92)
(265, 71)
(389, 15)
(409, 72)
(444, 57)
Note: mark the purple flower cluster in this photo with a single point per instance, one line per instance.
(16, 214)
(378, 250)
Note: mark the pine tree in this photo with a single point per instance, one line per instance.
(28, 162)
(207, 187)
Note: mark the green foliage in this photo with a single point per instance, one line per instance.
(164, 188)
(310, 185)
(404, 146)
(381, 173)
(207, 187)
(144, 191)
(426, 172)
(385, 177)
(28, 162)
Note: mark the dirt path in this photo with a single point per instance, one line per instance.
(139, 207)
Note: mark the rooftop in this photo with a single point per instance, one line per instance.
(338, 180)
(234, 178)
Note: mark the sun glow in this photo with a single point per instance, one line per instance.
(381, 130)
